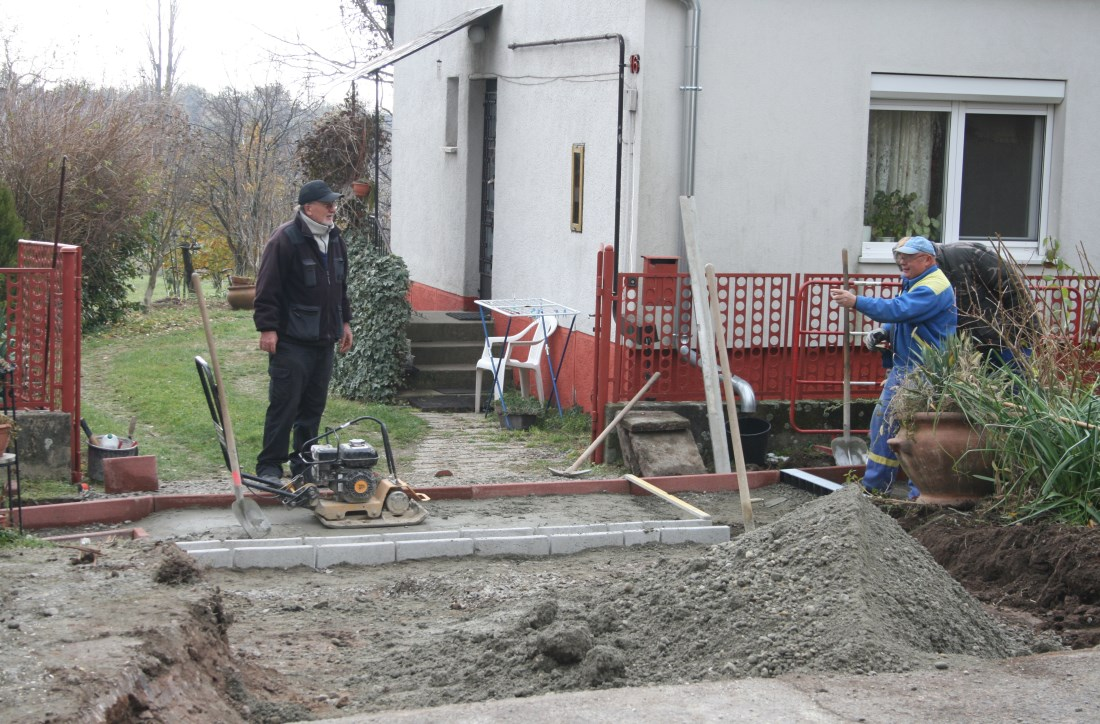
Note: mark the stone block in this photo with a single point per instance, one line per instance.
(45, 444)
(655, 421)
(199, 545)
(411, 550)
(421, 535)
(518, 545)
(573, 543)
(571, 529)
(261, 542)
(331, 540)
(656, 454)
(640, 536)
(275, 557)
(137, 474)
(494, 532)
(703, 535)
(213, 557)
(357, 554)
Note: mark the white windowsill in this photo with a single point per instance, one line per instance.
(882, 252)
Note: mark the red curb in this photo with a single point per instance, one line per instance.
(117, 510)
(63, 515)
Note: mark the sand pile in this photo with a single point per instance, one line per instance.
(836, 586)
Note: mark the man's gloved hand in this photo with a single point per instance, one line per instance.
(874, 338)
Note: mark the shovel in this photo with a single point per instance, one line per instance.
(848, 450)
(572, 471)
(246, 510)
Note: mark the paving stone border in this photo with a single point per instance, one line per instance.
(373, 549)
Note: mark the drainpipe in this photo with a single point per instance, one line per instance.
(742, 389)
(618, 130)
(691, 91)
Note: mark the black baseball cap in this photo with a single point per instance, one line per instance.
(317, 191)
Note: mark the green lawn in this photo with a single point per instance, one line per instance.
(145, 368)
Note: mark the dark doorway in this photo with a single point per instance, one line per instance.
(488, 178)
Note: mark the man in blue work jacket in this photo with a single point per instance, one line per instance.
(922, 314)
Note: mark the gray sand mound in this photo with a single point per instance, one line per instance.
(836, 586)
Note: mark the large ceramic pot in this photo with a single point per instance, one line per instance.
(241, 296)
(943, 455)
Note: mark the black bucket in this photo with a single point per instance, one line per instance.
(97, 454)
(754, 439)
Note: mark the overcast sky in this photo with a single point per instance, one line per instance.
(224, 42)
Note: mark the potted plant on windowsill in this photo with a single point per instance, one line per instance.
(519, 411)
(891, 215)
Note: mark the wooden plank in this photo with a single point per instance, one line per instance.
(668, 497)
(705, 326)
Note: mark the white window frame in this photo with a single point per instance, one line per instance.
(958, 96)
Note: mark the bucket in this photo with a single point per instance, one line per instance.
(754, 439)
(96, 456)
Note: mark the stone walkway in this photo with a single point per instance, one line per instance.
(472, 449)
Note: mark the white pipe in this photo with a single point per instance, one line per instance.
(744, 390)
(691, 92)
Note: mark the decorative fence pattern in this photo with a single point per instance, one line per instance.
(782, 332)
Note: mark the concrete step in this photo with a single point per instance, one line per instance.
(453, 352)
(437, 376)
(438, 327)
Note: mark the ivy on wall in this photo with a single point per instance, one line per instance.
(378, 286)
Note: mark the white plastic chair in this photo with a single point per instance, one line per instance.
(524, 351)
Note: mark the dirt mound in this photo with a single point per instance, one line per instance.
(106, 642)
(1051, 572)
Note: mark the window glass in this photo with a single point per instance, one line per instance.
(1002, 169)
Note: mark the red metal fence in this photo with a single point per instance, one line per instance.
(42, 318)
(782, 332)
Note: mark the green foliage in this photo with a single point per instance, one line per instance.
(1035, 417)
(924, 225)
(107, 274)
(11, 227)
(374, 369)
(13, 539)
(517, 403)
(891, 213)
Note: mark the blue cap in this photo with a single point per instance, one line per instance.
(915, 245)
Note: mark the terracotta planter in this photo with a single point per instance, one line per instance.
(941, 454)
(5, 437)
(361, 189)
(241, 297)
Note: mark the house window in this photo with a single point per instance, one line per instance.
(970, 155)
(576, 200)
(450, 127)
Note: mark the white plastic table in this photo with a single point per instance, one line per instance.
(534, 308)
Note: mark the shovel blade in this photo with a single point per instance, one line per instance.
(252, 519)
(849, 451)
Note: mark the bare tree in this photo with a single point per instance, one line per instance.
(248, 169)
(164, 53)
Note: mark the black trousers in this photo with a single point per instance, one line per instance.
(296, 396)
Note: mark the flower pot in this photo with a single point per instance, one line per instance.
(516, 421)
(5, 437)
(943, 455)
(361, 189)
(242, 296)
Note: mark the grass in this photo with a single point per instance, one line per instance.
(145, 368)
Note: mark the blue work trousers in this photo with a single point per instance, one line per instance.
(882, 463)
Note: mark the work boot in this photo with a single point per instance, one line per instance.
(270, 475)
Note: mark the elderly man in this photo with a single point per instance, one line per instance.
(922, 314)
(301, 311)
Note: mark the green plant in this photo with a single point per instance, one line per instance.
(517, 403)
(891, 213)
(13, 539)
(924, 225)
(375, 368)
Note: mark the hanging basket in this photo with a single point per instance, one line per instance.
(361, 189)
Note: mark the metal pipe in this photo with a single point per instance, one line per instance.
(742, 387)
(618, 129)
(691, 90)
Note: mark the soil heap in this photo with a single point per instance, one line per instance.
(836, 586)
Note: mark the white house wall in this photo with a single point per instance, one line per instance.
(782, 128)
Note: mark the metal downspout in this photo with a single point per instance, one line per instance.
(691, 91)
(618, 130)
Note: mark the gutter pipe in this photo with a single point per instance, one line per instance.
(691, 91)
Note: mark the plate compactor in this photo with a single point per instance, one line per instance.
(339, 482)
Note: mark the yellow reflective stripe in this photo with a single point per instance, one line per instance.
(888, 462)
(936, 281)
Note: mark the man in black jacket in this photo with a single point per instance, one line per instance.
(301, 311)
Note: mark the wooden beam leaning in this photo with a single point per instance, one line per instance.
(705, 327)
(667, 497)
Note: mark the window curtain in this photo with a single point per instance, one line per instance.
(899, 154)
